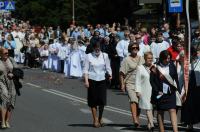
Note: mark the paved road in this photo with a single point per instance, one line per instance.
(52, 103)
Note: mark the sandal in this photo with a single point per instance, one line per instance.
(101, 123)
(96, 124)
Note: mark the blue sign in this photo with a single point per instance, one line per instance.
(175, 6)
(9, 5)
(2, 5)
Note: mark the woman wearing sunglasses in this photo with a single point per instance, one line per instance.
(127, 78)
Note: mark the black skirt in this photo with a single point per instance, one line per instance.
(166, 102)
(97, 93)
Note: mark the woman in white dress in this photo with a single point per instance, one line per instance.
(143, 88)
(74, 62)
(44, 53)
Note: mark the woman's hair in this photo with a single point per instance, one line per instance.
(147, 53)
(97, 44)
(131, 44)
(1, 51)
(163, 55)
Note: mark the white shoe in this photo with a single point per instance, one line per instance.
(7, 125)
(3, 126)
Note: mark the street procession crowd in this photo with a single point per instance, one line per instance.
(147, 64)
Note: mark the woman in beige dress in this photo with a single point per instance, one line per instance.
(127, 78)
(7, 88)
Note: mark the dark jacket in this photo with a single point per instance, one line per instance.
(157, 83)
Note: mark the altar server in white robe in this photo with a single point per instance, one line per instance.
(122, 46)
(158, 46)
(74, 62)
(44, 53)
(63, 54)
(18, 37)
(55, 59)
(51, 52)
(66, 62)
(82, 49)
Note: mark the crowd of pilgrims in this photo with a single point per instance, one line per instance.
(64, 51)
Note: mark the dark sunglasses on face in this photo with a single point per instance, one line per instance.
(135, 48)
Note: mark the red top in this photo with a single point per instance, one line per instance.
(174, 53)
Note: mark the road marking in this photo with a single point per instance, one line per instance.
(86, 111)
(108, 108)
(106, 121)
(30, 84)
(84, 101)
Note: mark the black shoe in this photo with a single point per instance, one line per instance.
(136, 125)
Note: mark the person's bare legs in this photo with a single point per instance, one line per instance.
(3, 117)
(150, 119)
(95, 118)
(8, 117)
(160, 118)
(101, 109)
(173, 118)
(134, 112)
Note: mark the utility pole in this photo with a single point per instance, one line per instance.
(73, 13)
(164, 10)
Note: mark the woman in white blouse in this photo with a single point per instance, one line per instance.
(97, 64)
(143, 87)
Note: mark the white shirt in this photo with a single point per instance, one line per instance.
(156, 48)
(63, 52)
(44, 52)
(165, 86)
(143, 49)
(122, 48)
(96, 67)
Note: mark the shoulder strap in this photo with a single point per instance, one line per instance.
(126, 78)
(167, 76)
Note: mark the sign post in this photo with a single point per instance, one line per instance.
(175, 6)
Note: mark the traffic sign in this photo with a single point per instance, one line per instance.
(9, 5)
(1, 5)
(175, 6)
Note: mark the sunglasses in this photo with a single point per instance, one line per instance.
(135, 48)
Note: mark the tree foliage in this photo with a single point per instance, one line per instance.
(59, 12)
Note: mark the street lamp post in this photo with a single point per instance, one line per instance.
(73, 13)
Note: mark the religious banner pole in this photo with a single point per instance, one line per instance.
(187, 47)
(198, 10)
